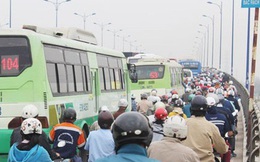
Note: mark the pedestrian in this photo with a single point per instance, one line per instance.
(132, 133)
(29, 150)
(203, 135)
(100, 143)
(31, 111)
(170, 148)
(67, 137)
(122, 105)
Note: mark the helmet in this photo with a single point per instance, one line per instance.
(231, 92)
(160, 114)
(199, 103)
(178, 103)
(211, 101)
(122, 103)
(144, 96)
(153, 92)
(188, 90)
(69, 114)
(215, 96)
(30, 111)
(175, 96)
(219, 91)
(176, 127)
(102, 108)
(131, 127)
(159, 104)
(31, 126)
(105, 119)
(230, 82)
(133, 96)
(164, 98)
(211, 89)
(174, 92)
(191, 96)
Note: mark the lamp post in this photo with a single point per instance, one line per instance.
(84, 17)
(57, 4)
(212, 19)
(114, 33)
(10, 14)
(204, 46)
(220, 28)
(207, 28)
(232, 40)
(202, 49)
(102, 25)
(124, 37)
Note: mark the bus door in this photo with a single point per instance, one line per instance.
(95, 90)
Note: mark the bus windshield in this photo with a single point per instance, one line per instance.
(15, 55)
(190, 65)
(150, 71)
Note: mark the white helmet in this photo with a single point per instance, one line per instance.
(153, 93)
(175, 96)
(210, 101)
(133, 96)
(31, 126)
(159, 104)
(230, 82)
(104, 108)
(176, 127)
(231, 92)
(30, 111)
(122, 103)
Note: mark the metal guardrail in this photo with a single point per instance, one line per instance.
(252, 123)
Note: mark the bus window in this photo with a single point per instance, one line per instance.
(15, 55)
(52, 77)
(70, 74)
(62, 79)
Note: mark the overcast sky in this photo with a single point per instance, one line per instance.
(165, 27)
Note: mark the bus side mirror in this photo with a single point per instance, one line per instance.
(132, 73)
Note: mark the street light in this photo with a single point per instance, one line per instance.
(207, 28)
(10, 14)
(124, 37)
(102, 25)
(202, 49)
(57, 4)
(84, 17)
(114, 34)
(220, 28)
(204, 43)
(232, 40)
(212, 19)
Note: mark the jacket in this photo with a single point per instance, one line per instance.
(170, 149)
(202, 137)
(129, 153)
(43, 141)
(37, 153)
(71, 134)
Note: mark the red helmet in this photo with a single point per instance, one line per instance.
(174, 92)
(160, 114)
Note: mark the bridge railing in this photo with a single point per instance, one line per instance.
(252, 123)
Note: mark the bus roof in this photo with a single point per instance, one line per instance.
(44, 35)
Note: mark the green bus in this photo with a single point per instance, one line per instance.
(157, 73)
(55, 69)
